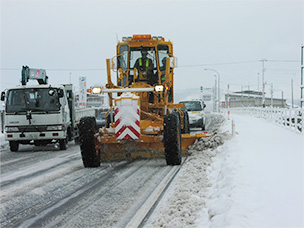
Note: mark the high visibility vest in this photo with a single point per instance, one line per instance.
(143, 73)
(140, 62)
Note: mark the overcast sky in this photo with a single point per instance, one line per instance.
(73, 38)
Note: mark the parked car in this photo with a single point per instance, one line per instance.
(195, 109)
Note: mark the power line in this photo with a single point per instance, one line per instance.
(290, 61)
(194, 65)
(50, 69)
(225, 63)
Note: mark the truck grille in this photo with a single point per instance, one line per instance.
(32, 128)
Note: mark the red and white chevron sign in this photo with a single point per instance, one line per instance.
(127, 122)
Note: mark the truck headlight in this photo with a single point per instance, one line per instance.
(11, 129)
(159, 88)
(54, 128)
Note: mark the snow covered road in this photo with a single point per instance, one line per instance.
(51, 188)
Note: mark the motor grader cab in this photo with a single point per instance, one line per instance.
(143, 121)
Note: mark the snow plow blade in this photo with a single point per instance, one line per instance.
(146, 147)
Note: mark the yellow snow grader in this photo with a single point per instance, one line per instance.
(143, 121)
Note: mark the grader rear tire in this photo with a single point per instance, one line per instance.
(87, 129)
(172, 139)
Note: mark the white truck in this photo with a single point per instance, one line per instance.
(195, 109)
(41, 114)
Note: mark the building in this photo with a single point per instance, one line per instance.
(251, 98)
(93, 100)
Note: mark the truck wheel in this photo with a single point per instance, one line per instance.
(87, 129)
(186, 129)
(14, 146)
(70, 136)
(63, 144)
(172, 139)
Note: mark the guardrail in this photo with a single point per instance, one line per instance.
(292, 119)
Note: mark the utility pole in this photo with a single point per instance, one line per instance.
(271, 92)
(218, 88)
(263, 81)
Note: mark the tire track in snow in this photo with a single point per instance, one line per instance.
(54, 209)
(30, 172)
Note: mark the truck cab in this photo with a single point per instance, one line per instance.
(134, 70)
(37, 115)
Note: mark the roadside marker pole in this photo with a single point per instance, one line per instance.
(228, 101)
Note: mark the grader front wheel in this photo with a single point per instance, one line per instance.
(172, 139)
(87, 129)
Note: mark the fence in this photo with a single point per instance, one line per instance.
(293, 119)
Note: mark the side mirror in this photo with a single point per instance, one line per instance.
(60, 93)
(51, 92)
(2, 96)
(114, 63)
(173, 62)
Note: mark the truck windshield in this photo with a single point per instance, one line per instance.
(33, 99)
(192, 105)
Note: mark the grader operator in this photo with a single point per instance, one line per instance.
(145, 121)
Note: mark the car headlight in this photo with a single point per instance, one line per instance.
(54, 128)
(11, 129)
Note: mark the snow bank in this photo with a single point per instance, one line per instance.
(254, 179)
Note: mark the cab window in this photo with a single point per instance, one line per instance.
(163, 54)
(123, 57)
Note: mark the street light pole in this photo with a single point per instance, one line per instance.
(218, 87)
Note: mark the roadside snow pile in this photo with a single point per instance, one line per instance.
(213, 124)
(208, 143)
(186, 196)
(182, 205)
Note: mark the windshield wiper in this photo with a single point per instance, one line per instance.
(39, 110)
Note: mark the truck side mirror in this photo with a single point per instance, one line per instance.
(2, 96)
(60, 93)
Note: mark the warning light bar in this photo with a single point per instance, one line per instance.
(142, 37)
